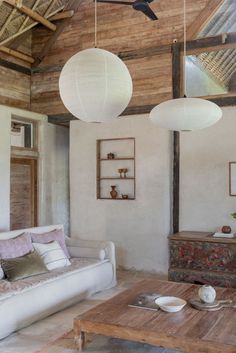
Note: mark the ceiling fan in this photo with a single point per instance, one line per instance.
(139, 5)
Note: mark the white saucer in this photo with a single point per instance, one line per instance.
(170, 304)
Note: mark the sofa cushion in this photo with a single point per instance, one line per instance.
(22, 267)
(16, 247)
(54, 235)
(9, 289)
(1, 273)
(95, 253)
(52, 255)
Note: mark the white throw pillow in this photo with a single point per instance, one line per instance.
(52, 255)
(1, 273)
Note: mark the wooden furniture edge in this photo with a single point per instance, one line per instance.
(208, 237)
(82, 327)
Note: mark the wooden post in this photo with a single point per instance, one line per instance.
(176, 81)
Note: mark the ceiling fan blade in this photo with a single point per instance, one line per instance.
(149, 13)
(116, 2)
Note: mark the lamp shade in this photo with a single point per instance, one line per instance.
(95, 85)
(186, 114)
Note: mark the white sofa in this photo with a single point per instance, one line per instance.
(25, 301)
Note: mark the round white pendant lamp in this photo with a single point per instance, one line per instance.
(95, 85)
(185, 114)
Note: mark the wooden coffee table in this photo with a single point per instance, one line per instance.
(189, 330)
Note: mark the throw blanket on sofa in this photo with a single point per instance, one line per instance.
(7, 289)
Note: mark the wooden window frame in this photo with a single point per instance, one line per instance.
(35, 134)
(34, 185)
(209, 44)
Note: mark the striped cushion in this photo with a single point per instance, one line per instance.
(52, 255)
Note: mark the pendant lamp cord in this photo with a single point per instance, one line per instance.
(95, 24)
(184, 56)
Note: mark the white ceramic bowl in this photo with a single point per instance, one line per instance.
(170, 304)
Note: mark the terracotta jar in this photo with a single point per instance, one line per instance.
(113, 192)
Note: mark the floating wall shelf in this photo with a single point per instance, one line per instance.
(119, 153)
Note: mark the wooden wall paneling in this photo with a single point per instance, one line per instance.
(23, 197)
(72, 5)
(151, 81)
(203, 18)
(14, 88)
(119, 29)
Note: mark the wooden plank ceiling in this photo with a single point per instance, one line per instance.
(43, 34)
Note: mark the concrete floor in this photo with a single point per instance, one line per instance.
(36, 336)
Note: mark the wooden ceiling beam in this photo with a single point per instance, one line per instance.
(17, 54)
(15, 67)
(15, 35)
(71, 5)
(203, 18)
(61, 119)
(29, 12)
(27, 18)
(208, 44)
(62, 15)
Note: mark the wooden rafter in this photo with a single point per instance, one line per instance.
(72, 5)
(62, 15)
(10, 38)
(29, 12)
(17, 54)
(205, 15)
(27, 18)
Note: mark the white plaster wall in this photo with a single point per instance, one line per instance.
(4, 171)
(205, 203)
(55, 174)
(53, 180)
(139, 228)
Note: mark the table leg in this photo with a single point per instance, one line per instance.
(80, 339)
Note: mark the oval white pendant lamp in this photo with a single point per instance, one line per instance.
(95, 85)
(185, 114)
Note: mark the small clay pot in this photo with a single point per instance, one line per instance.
(226, 229)
(113, 192)
(110, 156)
(124, 196)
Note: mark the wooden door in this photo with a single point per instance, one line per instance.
(23, 198)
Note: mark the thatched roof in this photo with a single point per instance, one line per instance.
(221, 65)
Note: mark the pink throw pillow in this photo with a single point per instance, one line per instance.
(16, 247)
(54, 235)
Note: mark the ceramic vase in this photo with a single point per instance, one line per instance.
(226, 229)
(113, 192)
(207, 294)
